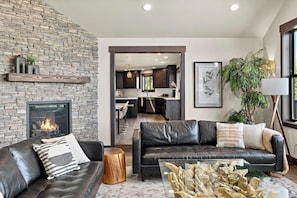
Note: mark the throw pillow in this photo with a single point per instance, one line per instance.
(74, 146)
(230, 135)
(252, 136)
(56, 158)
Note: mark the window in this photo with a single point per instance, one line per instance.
(289, 70)
(147, 82)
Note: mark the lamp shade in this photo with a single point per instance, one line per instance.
(275, 86)
(129, 74)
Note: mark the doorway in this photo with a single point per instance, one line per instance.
(144, 49)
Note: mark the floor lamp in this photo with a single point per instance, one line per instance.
(276, 87)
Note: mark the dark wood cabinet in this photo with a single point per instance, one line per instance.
(119, 80)
(171, 72)
(160, 78)
(163, 77)
(142, 105)
(159, 105)
(122, 82)
(131, 82)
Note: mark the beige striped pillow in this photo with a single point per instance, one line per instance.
(230, 135)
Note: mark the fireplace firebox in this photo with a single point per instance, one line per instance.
(50, 118)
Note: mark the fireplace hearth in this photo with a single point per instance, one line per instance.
(49, 118)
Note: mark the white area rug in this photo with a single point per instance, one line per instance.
(133, 187)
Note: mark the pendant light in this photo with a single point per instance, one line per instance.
(129, 73)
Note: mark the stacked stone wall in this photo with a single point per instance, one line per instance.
(31, 27)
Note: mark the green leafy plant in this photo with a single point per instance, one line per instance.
(237, 116)
(244, 77)
(31, 59)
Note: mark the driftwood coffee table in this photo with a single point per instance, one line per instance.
(272, 190)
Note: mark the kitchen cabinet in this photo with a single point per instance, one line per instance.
(132, 106)
(172, 110)
(122, 82)
(168, 107)
(164, 76)
(158, 105)
(142, 105)
(119, 80)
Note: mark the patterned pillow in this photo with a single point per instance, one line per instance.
(56, 158)
(230, 135)
(74, 146)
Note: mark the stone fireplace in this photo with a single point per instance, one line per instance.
(50, 118)
(61, 48)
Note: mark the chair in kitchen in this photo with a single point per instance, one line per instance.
(123, 111)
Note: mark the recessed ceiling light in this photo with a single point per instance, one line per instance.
(234, 7)
(147, 7)
(165, 57)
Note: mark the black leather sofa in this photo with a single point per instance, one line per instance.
(22, 173)
(193, 139)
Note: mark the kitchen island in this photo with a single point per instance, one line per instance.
(132, 106)
(169, 107)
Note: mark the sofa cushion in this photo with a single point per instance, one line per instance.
(230, 135)
(207, 132)
(151, 155)
(26, 159)
(169, 133)
(82, 183)
(56, 157)
(12, 181)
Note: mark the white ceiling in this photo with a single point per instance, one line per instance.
(147, 61)
(169, 18)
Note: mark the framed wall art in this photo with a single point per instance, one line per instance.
(208, 84)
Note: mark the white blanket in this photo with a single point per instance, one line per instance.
(266, 137)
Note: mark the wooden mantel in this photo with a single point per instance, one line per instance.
(20, 77)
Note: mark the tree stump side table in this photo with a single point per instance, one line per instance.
(114, 165)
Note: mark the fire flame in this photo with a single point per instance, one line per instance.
(48, 125)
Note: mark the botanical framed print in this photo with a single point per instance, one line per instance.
(208, 84)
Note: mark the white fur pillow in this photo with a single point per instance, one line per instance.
(230, 135)
(252, 135)
(74, 146)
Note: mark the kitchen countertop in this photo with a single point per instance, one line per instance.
(170, 98)
(136, 98)
(126, 98)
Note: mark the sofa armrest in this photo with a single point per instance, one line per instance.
(136, 151)
(277, 143)
(93, 149)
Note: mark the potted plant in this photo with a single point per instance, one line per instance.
(31, 60)
(244, 77)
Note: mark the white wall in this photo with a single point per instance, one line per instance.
(197, 49)
(272, 45)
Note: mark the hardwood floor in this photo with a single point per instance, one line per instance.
(292, 174)
(134, 123)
